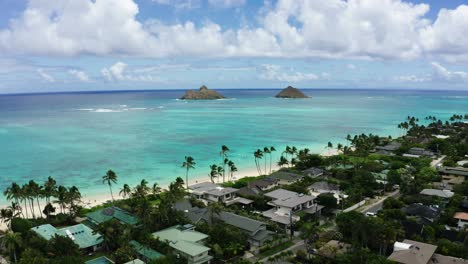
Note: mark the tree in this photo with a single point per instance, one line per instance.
(283, 161)
(13, 193)
(232, 169)
(213, 173)
(63, 246)
(327, 200)
(48, 210)
(125, 191)
(266, 150)
(61, 197)
(6, 215)
(309, 232)
(258, 154)
(223, 153)
(272, 149)
(110, 178)
(50, 188)
(12, 241)
(155, 189)
(188, 164)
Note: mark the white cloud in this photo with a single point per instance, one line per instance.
(119, 72)
(180, 4)
(80, 75)
(412, 78)
(440, 73)
(227, 3)
(274, 72)
(45, 76)
(369, 29)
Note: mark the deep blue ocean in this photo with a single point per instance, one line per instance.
(77, 137)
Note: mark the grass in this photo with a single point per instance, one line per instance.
(275, 249)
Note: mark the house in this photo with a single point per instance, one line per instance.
(100, 260)
(285, 203)
(314, 172)
(325, 187)
(135, 261)
(445, 194)
(421, 152)
(210, 192)
(80, 234)
(414, 252)
(258, 186)
(459, 171)
(106, 214)
(144, 252)
(256, 230)
(425, 214)
(187, 242)
(286, 178)
(387, 150)
(333, 248)
(448, 182)
(381, 177)
(462, 218)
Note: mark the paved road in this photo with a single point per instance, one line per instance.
(377, 206)
(437, 161)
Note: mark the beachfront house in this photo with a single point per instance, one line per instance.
(187, 242)
(314, 172)
(462, 219)
(286, 178)
(210, 192)
(286, 203)
(414, 252)
(387, 150)
(419, 152)
(145, 253)
(257, 187)
(106, 214)
(444, 194)
(323, 187)
(80, 234)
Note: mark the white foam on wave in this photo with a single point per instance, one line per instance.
(106, 110)
(160, 107)
(85, 109)
(138, 108)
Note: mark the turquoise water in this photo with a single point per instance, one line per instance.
(76, 137)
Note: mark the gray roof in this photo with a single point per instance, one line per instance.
(440, 193)
(323, 185)
(392, 146)
(314, 171)
(211, 188)
(193, 213)
(441, 259)
(454, 170)
(241, 222)
(427, 212)
(287, 176)
(287, 198)
(417, 253)
(262, 183)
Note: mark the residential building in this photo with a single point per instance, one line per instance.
(106, 214)
(286, 178)
(448, 182)
(285, 203)
(421, 152)
(392, 146)
(187, 242)
(459, 171)
(100, 260)
(425, 214)
(135, 261)
(144, 252)
(445, 194)
(314, 172)
(414, 252)
(257, 187)
(322, 187)
(210, 192)
(462, 218)
(80, 234)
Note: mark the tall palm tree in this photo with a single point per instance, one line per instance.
(12, 241)
(156, 189)
(329, 146)
(214, 172)
(223, 153)
(13, 193)
(188, 164)
(232, 169)
(110, 178)
(48, 210)
(61, 197)
(27, 196)
(266, 150)
(258, 154)
(50, 188)
(6, 215)
(125, 191)
(272, 149)
(36, 192)
(283, 161)
(73, 198)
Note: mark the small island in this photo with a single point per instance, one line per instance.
(202, 94)
(291, 92)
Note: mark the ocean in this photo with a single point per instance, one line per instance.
(77, 137)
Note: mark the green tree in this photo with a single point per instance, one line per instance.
(125, 191)
(63, 246)
(283, 161)
(188, 164)
(110, 178)
(12, 242)
(223, 153)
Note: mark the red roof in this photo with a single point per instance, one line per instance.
(461, 215)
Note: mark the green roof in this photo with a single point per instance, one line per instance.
(135, 261)
(145, 251)
(183, 239)
(81, 234)
(100, 260)
(106, 214)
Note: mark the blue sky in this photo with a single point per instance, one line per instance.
(70, 45)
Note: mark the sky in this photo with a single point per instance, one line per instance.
(88, 45)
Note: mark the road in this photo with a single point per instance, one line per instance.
(377, 206)
(437, 161)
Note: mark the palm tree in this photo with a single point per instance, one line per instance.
(6, 215)
(48, 210)
(266, 150)
(214, 209)
(50, 188)
(12, 241)
(36, 192)
(61, 197)
(232, 168)
(125, 191)
(110, 178)
(73, 197)
(14, 193)
(220, 172)
(156, 189)
(142, 189)
(258, 154)
(188, 164)
(223, 153)
(309, 232)
(271, 150)
(27, 196)
(329, 146)
(214, 172)
(283, 161)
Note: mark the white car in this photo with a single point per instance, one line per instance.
(371, 214)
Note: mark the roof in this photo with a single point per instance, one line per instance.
(183, 239)
(454, 170)
(323, 185)
(441, 259)
(100, 260)
(240, 222)
(439, 193)
(461, 216)
(109, 213)
(412, 252)
(211, 188)
(314, 171)
(262, 183)
(392, 146)
(287, 176)
(81, 234)
(145, 251)
(135, 261)
(288, 198)
(429, 212)
(193, 213)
